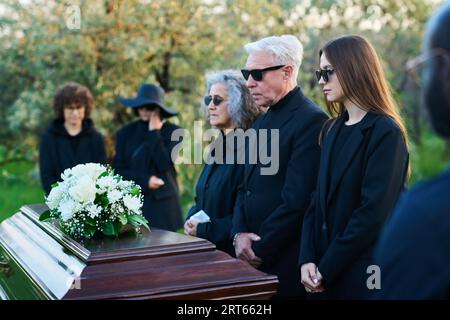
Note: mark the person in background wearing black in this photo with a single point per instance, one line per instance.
(363, 170)
(413, 253)
(71, 139)
(143, 154)
(229, 107)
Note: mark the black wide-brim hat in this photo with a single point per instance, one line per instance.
(149, 95)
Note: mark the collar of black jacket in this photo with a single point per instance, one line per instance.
(285, 100)
(57, 127)
(366, 122)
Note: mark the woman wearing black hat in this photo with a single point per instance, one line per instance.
(71, 138)
(143, 154)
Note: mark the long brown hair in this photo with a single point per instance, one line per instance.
(362, 78)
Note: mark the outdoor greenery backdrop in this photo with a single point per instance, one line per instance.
(122, 44)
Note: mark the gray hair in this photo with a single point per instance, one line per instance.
(241, 106)
(285, 49)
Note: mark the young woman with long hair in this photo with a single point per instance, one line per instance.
(363, 169)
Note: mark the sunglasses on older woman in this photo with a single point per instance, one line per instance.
(216, 100)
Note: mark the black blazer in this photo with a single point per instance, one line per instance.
(414, 249)
(56, 151)
(141, 153)
(347, 214)
(216, 193)
(272, 206)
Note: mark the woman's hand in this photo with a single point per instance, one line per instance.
(154, 183)
(155, 121)
(190, 227)
(311, 278)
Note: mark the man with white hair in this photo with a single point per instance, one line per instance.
(269, 212)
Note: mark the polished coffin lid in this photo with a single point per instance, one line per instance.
(38, 261)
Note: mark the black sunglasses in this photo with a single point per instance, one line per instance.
(257, 74)
(147, 107)
(324, 73)
(216, 100)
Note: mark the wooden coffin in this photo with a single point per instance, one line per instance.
(38, 261)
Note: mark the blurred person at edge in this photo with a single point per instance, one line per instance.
(414, 250)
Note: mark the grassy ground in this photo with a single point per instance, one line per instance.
(19, 185)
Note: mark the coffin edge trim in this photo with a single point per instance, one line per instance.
(78, 250)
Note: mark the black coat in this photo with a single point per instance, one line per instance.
(414, 250)
(273, 206)
(352, 202)
(216, 193)
(141, 153)
(58, 150)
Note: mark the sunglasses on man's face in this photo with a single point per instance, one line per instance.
(216, 100)
(257, 74)
(324, 73)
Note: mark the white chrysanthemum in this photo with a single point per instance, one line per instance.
(84, 190)
(67, 209)
(114, 195)
(106, 183)
(66, 174)
(132, 203)
(125, 184)
(54, 197)
(94, 210)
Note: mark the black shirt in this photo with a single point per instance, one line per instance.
(59, 150)
(344, 133)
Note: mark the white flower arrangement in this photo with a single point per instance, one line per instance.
(90, 199)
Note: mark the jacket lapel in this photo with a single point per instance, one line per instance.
(348, 152)
(344, 158)
(328, 143)
(272, 120)
(249, 167)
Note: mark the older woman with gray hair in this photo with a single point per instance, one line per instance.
(229, 106)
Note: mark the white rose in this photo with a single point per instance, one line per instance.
(84, 190)
(78, 170)
(67, 209)
(114, 195)
(92, 170)
(132, 203)
(54, 197)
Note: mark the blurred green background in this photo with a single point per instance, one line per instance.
(121, 44)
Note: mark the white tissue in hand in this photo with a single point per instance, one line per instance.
(200, 216)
